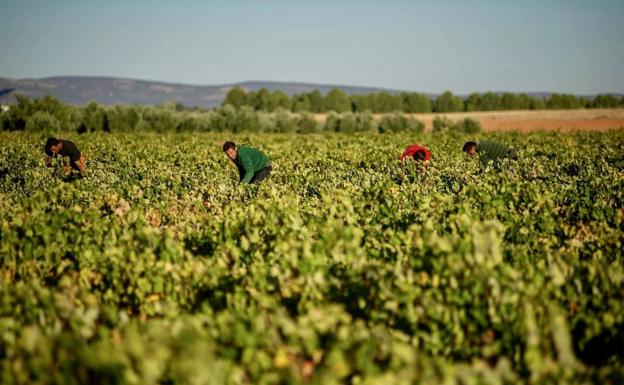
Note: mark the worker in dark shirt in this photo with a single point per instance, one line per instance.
(488, 151)
(253, 166)
(65, 148)
(417, 152)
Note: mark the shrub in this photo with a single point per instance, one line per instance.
(441, 123)
(283, 121)
(44, 122)
(349, 122)
(467, 126)
(229, 118)
(246, 119)
(306, 124)
(398, 122)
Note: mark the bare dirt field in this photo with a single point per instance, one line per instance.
(525, 121)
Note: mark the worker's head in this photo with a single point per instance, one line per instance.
(230, 149)
(420, 155)
(53, 146)
(470, 148)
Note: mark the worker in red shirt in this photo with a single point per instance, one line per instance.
(417, 152)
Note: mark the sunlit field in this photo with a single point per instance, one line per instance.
(345, 266)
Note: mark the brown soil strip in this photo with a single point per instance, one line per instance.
(526, 121)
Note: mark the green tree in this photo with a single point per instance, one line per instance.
(44, 122)
(563, 101)
(387, 103)
(338, 101)
(279, 100)
(316, 101)
(537, 103)
(15, 119)
(301, 103)
(473, 103)
(155, 119)
(605, 101)
(360, 103)
(524, 102)
(260, 100)
(490, 102)
(447, 102)
(94, 119)
(52, 106)
(414, 102)
(236, 97)
(123, 118)
(509, 101)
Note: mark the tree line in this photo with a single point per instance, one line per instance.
(48, 115)
(382, 102)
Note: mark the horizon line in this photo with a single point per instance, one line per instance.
(304, 83)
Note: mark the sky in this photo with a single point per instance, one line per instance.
(422, 46)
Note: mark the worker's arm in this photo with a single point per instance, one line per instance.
(81, 164)
(249, 170)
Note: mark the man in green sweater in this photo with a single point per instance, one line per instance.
(488, 151)
(253, 166)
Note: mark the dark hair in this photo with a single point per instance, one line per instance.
(468, 146)
(227, 145)
(420, 155)
(49, 143)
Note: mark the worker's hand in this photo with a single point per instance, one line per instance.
(67, 170)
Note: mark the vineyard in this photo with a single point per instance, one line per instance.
(343, 267)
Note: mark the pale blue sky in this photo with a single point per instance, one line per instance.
(428, 46)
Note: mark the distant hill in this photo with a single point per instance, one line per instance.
(82, 90)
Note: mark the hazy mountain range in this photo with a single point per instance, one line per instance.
(80, 90)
